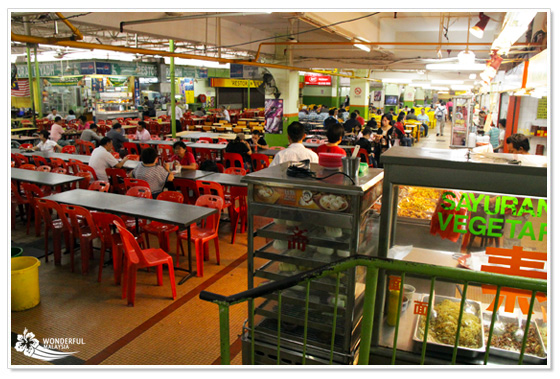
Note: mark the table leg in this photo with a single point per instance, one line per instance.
(190, 271)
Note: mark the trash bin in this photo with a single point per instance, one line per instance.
(25, 283)
(16, 251)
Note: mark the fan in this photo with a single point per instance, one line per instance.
(268, 86)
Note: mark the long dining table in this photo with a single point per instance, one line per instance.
(43, 178)
(128, 165)
(182, 215)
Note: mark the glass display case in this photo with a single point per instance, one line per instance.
(462, 121)
(479, 212)
(112, 105)
(300, 224)
(63, 99)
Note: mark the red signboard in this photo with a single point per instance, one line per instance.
(318, 80)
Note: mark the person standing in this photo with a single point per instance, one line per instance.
(494, 134)
(225, 113)
(142, 133)
(449, 107)
(346, 101)
(149, 108)
(501, 137)
(440, 113)
(101, 158)
(295, 152)
(178, 116)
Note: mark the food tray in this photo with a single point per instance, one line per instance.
(527, 357)
(472, 307)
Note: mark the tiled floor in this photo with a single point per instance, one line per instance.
(157, 330)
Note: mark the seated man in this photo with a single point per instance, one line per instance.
(148, 170)
(183, 156)
(425, 120)
(117, 138)
(142, 133)
(295, 152)
(90, 134)
(101, 158)
(335, 133)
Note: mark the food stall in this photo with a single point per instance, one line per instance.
(480, 212)
(462, 121)
(113, 105)
(300, 224)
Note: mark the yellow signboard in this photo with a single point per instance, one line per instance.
(189, 97)
(233, 83)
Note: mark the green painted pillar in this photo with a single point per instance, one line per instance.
(359, 93)
(39, 96)
(172, 79)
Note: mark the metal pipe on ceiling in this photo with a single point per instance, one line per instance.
(191, 17)
(77, 33)
(129, 50)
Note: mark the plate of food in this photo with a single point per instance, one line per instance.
(331, 202)
(266, 194)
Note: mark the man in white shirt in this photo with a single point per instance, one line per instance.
(425, 119)
(178, 116)
(142, 133)
(440, 113)
(52, 115)
(296, 151)
(225, 113)
(101, 158)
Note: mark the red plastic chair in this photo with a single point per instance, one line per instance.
(259, 161)
(105, 224)
(80, 146)
(235, 171)
(84, 228)
(216, 189)
(84, 183)
(139, 191)
(144, 146)
(166, 152)
(221, 168)
(239, 196)
(88, 147)
(60, 227)
(131, 148)
(28, 166)
(364, 157)
(99, 185)
(116, 177)
(20, 159)
(44, 168)
(137, 258)
(60, 170)
(116, 155)
(133, 157)
(233, 160)
(39, 161)
(32, 192)
(18, 200)
(205, 140)
(188, 188)
(86, 168)
(133, 182)
(69, 149)
(26, 146)
(160, 229)
(277, 148)
(130, 222)
(201, 235)
(57, 162)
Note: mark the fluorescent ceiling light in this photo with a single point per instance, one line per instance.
(472, 76)
(461, 87)
(447, 81)
(361, 46)
(197, 63)
(456, 67)
(396, 80)
(436, 88)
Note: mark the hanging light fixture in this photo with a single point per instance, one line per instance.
(478, 29)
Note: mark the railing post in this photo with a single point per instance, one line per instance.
(367, 319)
(224, 334)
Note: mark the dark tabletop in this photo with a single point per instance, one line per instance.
(269, 152)
(192, 174)
(154, 142)
(213, 146)
(24, 138)
(129, 165)
(102, 201)
(226, 179)
(43, 178)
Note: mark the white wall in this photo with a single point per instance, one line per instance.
(528, 117)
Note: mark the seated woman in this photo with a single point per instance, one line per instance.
(183, 156)
(240, 146)
(399, 129)
(150, 171)
(257, 141)
(46, 144)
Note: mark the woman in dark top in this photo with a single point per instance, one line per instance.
(240, 146)
(401, 134)
(257, 141)
(372, 123)
(366, 144)
(385, 137)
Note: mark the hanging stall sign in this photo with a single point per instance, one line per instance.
(233, 83)
(87, 68)
(236, 71)
(317, 80)
(187, 87)
(136, 91)
(117, 81)
(97, 84)
(103, 68)
(63, 81)
(537, 73)
(202, 73)
(240, 71)
(45, 69)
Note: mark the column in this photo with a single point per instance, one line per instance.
(288, 85)
(359, 93)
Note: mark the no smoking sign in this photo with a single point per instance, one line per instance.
(358, 91)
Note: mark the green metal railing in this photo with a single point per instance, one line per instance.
(373, 266)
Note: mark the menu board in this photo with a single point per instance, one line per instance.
(541, 109)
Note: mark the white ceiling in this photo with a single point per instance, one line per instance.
(416, 33)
